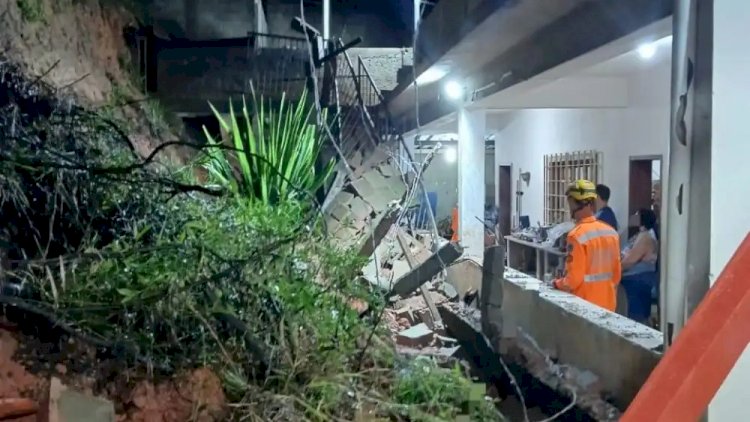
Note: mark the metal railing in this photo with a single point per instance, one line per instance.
(277, 64)
(280, 64)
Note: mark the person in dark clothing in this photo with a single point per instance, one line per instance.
(604, 212)
(640, 267)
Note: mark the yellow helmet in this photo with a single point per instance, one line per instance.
(581, 190)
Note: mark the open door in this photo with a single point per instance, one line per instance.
(504, 200)
(645, 186)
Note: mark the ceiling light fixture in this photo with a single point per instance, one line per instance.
(453, 90)
(451, 155)
(647, 51)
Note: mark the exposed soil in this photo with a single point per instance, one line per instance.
(79, 48)
(27, 365)
(15, 380)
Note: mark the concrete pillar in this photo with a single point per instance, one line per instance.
(685, 216)
(730, 196)
(471, 156)
(326, 20)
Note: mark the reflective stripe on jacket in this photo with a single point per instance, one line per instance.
(592, 268)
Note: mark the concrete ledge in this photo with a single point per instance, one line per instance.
(622, 353)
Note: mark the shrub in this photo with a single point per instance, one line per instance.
(275, 151)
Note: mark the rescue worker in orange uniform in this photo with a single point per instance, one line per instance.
(454, 224)
(592, 267)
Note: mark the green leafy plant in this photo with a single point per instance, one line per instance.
(274, 151)
(426, 392)
(31, 10)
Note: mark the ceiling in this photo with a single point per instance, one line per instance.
(606, 71)
(632, 62)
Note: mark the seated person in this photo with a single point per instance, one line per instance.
(639, 267)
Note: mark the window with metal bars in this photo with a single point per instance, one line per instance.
(559, 171)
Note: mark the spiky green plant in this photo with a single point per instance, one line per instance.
(274, 151)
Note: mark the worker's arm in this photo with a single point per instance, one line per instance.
(575, 266)
(637, 252)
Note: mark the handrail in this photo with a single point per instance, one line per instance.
(369, 123)
(366, 72)
(682, 385)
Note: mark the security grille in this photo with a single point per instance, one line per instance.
(559, 171)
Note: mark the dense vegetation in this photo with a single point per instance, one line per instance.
(166, 274)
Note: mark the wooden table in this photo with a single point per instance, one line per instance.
(519, 250)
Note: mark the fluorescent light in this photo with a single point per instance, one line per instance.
(431, 75)
(453, 90)
(450, 155)
(647, 51)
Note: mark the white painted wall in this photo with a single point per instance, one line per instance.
(442, 177)
(730, 174)
(640, 129)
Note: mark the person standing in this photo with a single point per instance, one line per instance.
(592, 266)
(639, 264)
(603, 211)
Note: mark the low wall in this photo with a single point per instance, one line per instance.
(621, 352)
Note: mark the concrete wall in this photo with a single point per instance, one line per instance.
(618, 350)
(729, 176)
(442, 177)
(640, 129)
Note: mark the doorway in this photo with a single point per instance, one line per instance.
(645, 188)
(504, 200)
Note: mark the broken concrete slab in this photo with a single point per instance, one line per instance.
(400, 268)
(65, 405)
(412, 261)
(618, 350)
(491, 295)
(447, 341)
(417, 336)
(360, 209)
(381, 224)
(416, 302)
(406, 313)
(426, 270)
(447, 290)
(443, 355)
(464, 324)
(425, 316)
(464, 275)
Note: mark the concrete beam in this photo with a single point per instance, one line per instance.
(460, 36)
(424, 272)
(589, 26)
(600, 92)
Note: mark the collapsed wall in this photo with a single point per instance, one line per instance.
(362, 211)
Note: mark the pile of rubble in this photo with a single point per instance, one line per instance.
(415, 330)
(418, 282)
